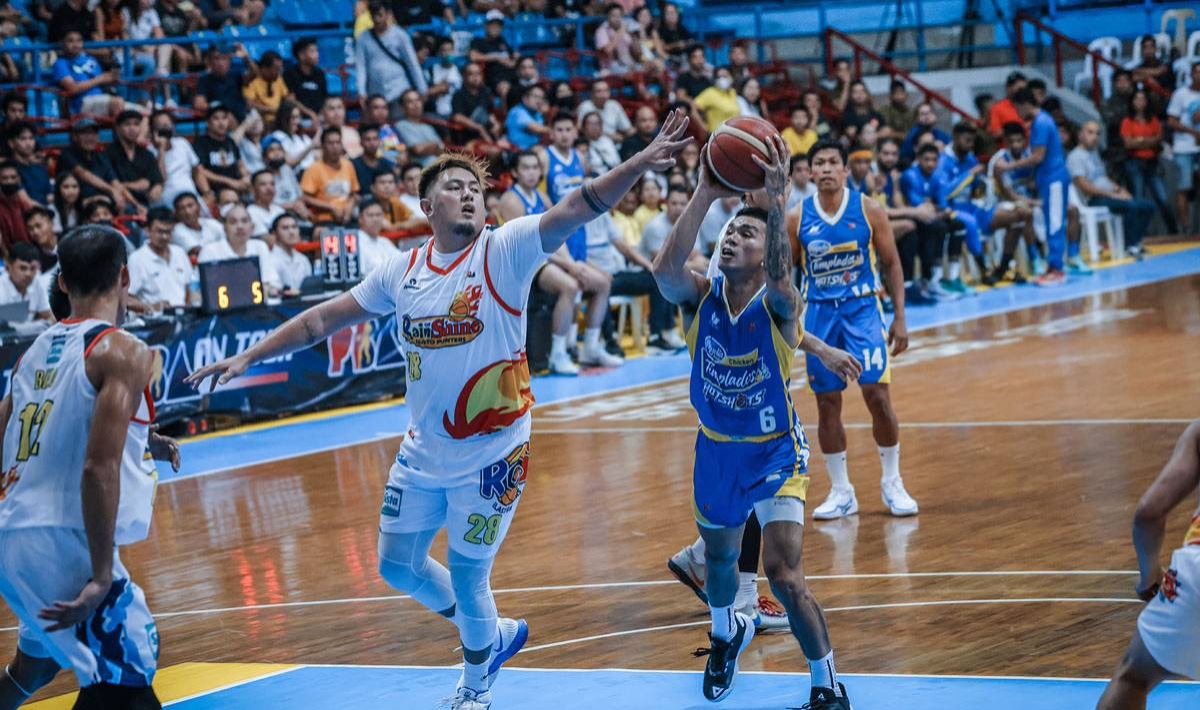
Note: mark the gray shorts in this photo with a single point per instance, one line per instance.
(1188, 164)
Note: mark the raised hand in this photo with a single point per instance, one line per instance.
(775, 166)
(660, 155)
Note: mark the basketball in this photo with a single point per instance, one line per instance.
(730, 148)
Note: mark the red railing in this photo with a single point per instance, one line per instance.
(1057, 40)
(896, 72)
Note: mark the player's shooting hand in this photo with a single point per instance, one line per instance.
(659, 156)
(842, 363)
(67, 614)
(775, 166)
(708, 182)
(220, 372)
(898, 336)
(164, 448)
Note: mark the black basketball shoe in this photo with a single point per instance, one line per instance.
(722, 666)
(824, 699)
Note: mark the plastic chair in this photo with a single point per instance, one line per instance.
(630, 308)
(1091, 219)
(1193, 45)
(1183, 70)
(1110, 49)
(1180, 17)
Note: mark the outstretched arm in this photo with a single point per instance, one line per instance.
(599, 195)
(1178, 480)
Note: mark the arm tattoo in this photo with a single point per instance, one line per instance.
(312, 333)
(779, 252)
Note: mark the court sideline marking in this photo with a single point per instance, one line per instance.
(906, 425)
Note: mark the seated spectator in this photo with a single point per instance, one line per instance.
(73, 16)
(221, 85)
(614, 120)
(333, 114)
(12, 206)
(375, 112)
(396, 215)
(1183, 116)
(645, 124)
(23, 147)
(926, 123)
(1097, 189)
(193, 231)
(614, 42)
(39, 225)
(816, 114)
(83, 159)
(20, 283)
(370, 164)
(526, 125)
(675, 37)
(409, 188)
(263, 210)
(650, 202)
(159, 271)
(494, 54)
(838, 84)
(860, 110)
(142, 23)
(177, 22)
(922, 188)
(290, 265)
(1017, 187)
(423, 12)
(236, 244)
(421, 139)
(750, 98)
(300, 150)
(443, 79)
(602, 151)
(267, 90)
(562, 97)
(1112, 112)
(697, 77)
(1003, 111)
(14, 108)
(220, 158)
(800, 136)
(1142, 135)
(330, 185)
(654, 234)
(306, 80)
(81, 77)
(1153, 68)
(135, 167)
(717, 103)
(287, 187)
(647, 43)
(472, 106)
(386, 62)
(374, 250)
(898, 116)
(68, 202)
(802, 185)
(248, 137)
(177, 160)
(100, 209)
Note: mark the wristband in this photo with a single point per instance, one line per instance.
(1148, 594)
(592, 199)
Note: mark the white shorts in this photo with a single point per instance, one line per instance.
(476, 515)
(98, 104)
(1170, 623)
(117, 645)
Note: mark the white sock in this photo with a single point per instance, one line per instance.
(558, 346)
(591, 339)
(839, 476)
(955, 269)
(747, 593)
(937, 273)
(889, 457)
(824, 674)
(696, 550)
(724, 624)
(475, 675)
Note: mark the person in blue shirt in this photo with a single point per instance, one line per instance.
(22, 142)
(525, 124)
(926, 123)
(81, 79)
(921, 185)
(1047, 157)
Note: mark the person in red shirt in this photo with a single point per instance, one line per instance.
(13, 203)
(1003, 110)
(1142, 135)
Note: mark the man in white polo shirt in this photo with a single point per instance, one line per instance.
(292, 266)
(238, 244)
(159, 271)
(20, 281)
(263, 210)
(192, 230)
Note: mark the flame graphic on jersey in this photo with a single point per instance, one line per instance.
(494, 398)
(8, 479)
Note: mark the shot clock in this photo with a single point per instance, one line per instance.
(231, 285)
(339, 254)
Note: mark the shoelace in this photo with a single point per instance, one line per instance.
(719, 650)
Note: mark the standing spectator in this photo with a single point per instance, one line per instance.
(800, 136)
(1038, 88)
(330, 185)
(602, 151)
(159, 271)
(177, 160)
(927, 120)
(802, 185)
(83, 159)
(333, 115)
(237, 244)
(443, 79)
(471, 106)
(1113, 112)
(191, 230)
(299, 149)
(1097, 189)
(220, 160)
(80, 77)
(39, 225)
(526, 125)
(76, 15)
(859, 111)
(647, 43)
(898, 116)
(612, 115)
(135, 167)
(396, 215)
(12, 207)
(1142, 135)
(421, 139)
(675, 37)
(696, 78)
(267, 90)
(816, 113)
(385, 61)
(719, 102)
(290, 265)
(68, 202)
(22, 146)
(221, 85)
(494, 53)
(614, 42)
(750, 99)
(263, 210)
(370, 163)
(306, 80)
(287, 187)
(1183, 116)
(1153, 68)
(1003, 111)
(20, 282)
(373, 249)
(645, 124)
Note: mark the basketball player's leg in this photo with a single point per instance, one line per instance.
(825, 321)
(554, 280)
(25, 674)
(1137, 674)
(408, 521)
(1053, 196)
(596, 285)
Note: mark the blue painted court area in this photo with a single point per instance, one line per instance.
(343, 687)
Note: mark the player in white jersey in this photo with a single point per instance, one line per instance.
(1166, 642)
(459, 303)
(78, 480)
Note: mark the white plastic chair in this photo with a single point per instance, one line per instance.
(1183, 70)
(1091, 219)
(1193, 45)
(1180, 17)
(629, 308)
(1110, 49)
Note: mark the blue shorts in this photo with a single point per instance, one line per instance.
(856, 326)
(730, 477)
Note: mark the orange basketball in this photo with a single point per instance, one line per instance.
(730, 148)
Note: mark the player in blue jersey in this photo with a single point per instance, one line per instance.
(751, 455)
(1050, 174)
(840, 234)
(1014, 187)
(921, 185)
(564, 172)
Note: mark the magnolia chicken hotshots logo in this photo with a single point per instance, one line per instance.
(460, 326)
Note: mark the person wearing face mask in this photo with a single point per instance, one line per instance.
(719, 102)
(287, 186)
(444, 79)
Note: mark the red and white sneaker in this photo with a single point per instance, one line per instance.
(1050, 279)
(768, 614)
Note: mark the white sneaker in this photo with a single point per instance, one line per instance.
(598, 357)
(768, 614)
(467, 699)
(513, 633)
(562, 365)
(671, 337)
(840, 503)
(689, 571)
(898, 501)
